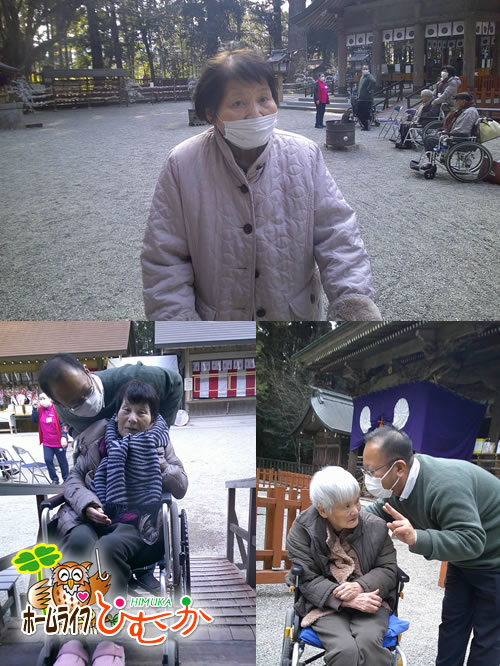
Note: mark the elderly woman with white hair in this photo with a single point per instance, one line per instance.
(424, 113)
(348, 589)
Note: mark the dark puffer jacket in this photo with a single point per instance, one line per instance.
(370, 539)
(77, 491)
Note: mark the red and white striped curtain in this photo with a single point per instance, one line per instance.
(224, 379)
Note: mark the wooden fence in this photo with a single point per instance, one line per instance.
(487, 97)
(286, 465)
(279, 477)
(279, 492)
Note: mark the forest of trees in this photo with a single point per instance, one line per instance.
(283, 386)
(151, 38)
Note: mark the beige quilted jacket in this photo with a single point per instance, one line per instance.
(224, 245)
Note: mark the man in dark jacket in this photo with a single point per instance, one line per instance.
(81, 397)
(349, 584)
(444, 510)
(365, 97)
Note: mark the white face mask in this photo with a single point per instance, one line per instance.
(250, 132)
(94, 403)
(444, 75)
(366, 71)
(374, 484)
(45, 402)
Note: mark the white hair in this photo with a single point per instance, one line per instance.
(332, 485)
(426, 93)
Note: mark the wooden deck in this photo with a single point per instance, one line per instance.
(217, 587)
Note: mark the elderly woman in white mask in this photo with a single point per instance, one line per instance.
(349, 560)
(244, 215)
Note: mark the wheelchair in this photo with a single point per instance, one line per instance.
(295, 639)
(175, 573)
(372, 120)
(464, 157)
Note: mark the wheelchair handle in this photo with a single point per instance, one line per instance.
(52, 502)
(166, 498)
(402, 576)
(297, 570)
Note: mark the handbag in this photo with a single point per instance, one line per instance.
(494, 175)
(488, 129)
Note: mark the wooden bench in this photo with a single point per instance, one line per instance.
(8, 583)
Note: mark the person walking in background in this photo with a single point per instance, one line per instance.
(321, 99)
(365, 97)
(52, 438)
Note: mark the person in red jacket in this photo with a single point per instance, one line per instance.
(321, 99)
(52, 437)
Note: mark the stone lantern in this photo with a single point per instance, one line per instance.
(279, 60)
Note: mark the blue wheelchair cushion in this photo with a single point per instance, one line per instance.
(396, 627)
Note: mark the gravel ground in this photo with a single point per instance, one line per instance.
(213, 451)
(421, 606)
(76, 193)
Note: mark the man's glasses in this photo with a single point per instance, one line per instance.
(371, 472)
(76, 405)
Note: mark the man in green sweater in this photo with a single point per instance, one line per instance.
(365, 97)
(82, 397)
(446, 510)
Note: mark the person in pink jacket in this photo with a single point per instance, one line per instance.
(246, 221)
(321, 99)
(52, 437)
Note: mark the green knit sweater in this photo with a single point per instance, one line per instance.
(167, 383)
(455, 509)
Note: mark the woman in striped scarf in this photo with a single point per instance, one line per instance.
(113, 492)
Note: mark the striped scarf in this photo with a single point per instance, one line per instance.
(129, 477)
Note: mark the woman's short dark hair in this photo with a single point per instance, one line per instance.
(395, 443)
(244, 64)
(136, 391)
(451, 70)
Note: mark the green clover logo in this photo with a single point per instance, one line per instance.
(39, 557)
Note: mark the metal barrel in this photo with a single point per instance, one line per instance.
(339, 134)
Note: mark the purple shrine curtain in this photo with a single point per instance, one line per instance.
(438, 421)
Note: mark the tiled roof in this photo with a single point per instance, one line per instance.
(176, 334)
(29, 339)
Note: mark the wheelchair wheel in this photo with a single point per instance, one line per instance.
(469, 162)
(432, 129)
(175, 544)
(185, 565)
(287, 647)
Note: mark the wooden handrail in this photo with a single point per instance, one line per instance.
(234, 531)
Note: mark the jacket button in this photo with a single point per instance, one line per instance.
(313, 298)
(260, 312)
(257, 274)
(244, 189)
(248, 228)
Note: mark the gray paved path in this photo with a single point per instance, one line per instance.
(75, 197)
